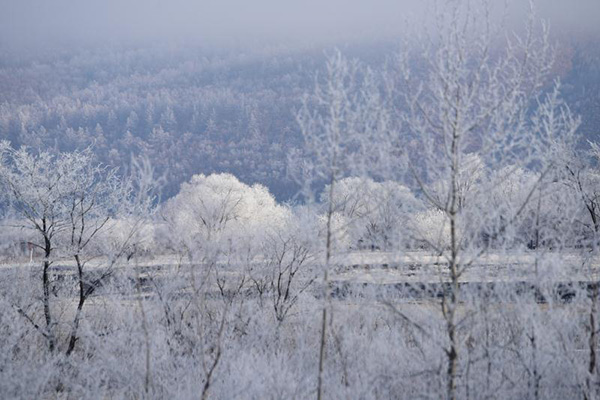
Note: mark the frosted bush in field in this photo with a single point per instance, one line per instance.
(509, 195)
(218, 210)
(145, 235)
(431, 229)
(16, 240)
(377, 212)
(471, 172)
(340, 231)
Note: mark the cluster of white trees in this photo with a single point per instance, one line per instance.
(458, 166)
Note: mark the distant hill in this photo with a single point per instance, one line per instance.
(194, 110)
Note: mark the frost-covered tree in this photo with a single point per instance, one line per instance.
(340, 122)
(468, 109)
(42, 190)
(218, 212)
(70, 204)
(377, 213)
(288, 267)
(471, 113)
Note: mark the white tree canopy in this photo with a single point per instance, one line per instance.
(376, 213)
(220, 210)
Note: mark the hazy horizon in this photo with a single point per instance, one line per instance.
(64, 23)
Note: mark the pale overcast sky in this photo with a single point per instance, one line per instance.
(49, 22)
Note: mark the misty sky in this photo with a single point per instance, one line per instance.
(67, 22)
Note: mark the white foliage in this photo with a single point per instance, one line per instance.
(139, 233)
(432, 228)
(340, 234)
(376, 212)
(220, 210)
(471, 171)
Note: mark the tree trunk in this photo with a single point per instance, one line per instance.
(82, 297)
(450, 310)
(592, 343)
(328, 245)
(46, 290)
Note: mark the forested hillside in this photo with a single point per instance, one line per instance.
(190, 111)
(202, 110)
